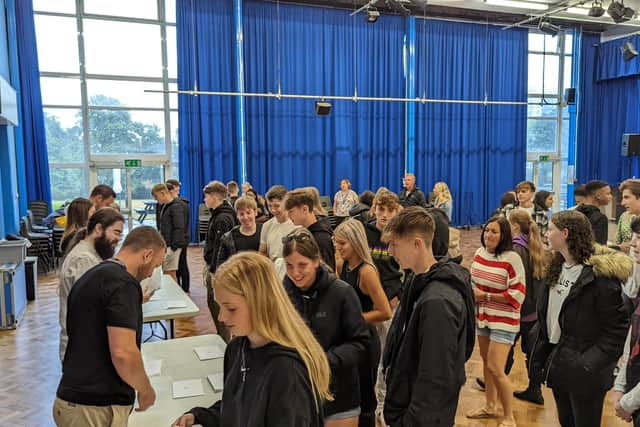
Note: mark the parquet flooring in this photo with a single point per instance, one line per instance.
(30, 369)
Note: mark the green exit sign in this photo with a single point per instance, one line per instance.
(133, 163)
(544, 158)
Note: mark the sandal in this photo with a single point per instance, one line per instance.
(482, 413)
(507, 422)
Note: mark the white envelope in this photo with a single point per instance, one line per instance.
(216, 381)
(153, 367)
(187, 388)
(209, 352)
(176, 304)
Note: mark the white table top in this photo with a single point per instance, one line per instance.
(179, 362)
(156, 308)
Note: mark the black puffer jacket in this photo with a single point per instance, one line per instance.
(332, 310)
(222, 220)
(431, 338)
(173, 224)
(594, 325)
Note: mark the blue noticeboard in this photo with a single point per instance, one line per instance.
(13, 298)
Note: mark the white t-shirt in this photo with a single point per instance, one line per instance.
(272, 234)
(557, 294)
(530, 210)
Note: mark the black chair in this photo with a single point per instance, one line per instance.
(37, 228)
(41, 245)
(203, 221)
(40, 210)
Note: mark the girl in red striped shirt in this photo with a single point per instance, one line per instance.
(498, 279)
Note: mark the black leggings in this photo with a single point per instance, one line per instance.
(368, 378)
(526, 343)
(579, 409)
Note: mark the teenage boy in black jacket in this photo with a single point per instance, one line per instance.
(221, 221)
(172, 224)
(598, 195)
(184, 277)
(299, 205)
(433, 331)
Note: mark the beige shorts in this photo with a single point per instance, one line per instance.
(66, 414)
(171, 260)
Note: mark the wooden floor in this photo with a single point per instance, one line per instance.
(30, 369)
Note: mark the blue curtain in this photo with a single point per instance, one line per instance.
(206, 124)
(478, 150)
(323, 51)
(608, 109)
(611, 63)
(32, 116)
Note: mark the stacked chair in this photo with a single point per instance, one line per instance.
(40, 210)
(41, 244)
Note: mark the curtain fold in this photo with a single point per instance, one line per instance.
(478, 150)
(30, 104)
(206, 124)
(611, 63)
(607, 110)
(323, 51)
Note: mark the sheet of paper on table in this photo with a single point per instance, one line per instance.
(209, 352)
(187, 388)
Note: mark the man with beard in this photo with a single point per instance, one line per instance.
(102, 368)
(90, 246)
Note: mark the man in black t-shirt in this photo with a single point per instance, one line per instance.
(102, 367)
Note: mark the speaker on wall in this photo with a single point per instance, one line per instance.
(570, 96)
(631, 144)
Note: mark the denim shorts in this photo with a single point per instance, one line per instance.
(355, 412)
(496, 335)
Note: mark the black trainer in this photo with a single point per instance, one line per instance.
(531, 394)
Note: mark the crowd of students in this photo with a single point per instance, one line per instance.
(372, 321)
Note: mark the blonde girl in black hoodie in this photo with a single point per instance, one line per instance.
(275, 372)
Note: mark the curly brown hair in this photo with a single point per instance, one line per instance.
(579, 241)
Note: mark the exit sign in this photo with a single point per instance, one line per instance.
(132, 163)
(544, 158)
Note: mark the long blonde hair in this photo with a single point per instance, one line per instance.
(273, 316)
(352, 231)
(528, 227)
(443, 192)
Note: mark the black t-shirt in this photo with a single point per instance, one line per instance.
(106, 295)
(247, 243)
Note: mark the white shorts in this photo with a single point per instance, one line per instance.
(171, 260)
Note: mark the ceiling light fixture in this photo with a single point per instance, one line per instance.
(372, 15)
(619, 13)
(548, 28)
(596, 10)
(518, 4)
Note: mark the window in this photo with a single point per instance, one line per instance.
(120, 44)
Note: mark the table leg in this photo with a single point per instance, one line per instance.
(171, 328)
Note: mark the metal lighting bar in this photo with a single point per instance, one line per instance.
(354, 98)
(562, 8)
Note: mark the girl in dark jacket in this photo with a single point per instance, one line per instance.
(582, 321)
(332, 310)
(275, 372)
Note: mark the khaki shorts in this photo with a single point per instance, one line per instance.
(171, 260)
(67, 414)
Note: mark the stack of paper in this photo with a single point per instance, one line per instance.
(176, 304)
(209, 352)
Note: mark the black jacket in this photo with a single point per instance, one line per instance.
(173, 224)
(390, 274)
(228, 246)
(598, 220)
(332, 310)
(360, 211)
(594, 325)
(263, 387)
(431, 337)
(322, 232)
(414, 197)
(440, 244)
(222, 220)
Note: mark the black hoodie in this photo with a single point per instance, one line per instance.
(173, 224)
(267, 386)
(598, 220)
(431, 337)
(221, 221)
(332, 310)
(322, 232)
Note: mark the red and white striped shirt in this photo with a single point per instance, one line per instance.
(504, 275)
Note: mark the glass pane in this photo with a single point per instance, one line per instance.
(174, 137)
(176, 170)
(66, 185)
(116, 178)
(142, 181)
(563, 185)
(541, 135)
(127, 94)
(135, 9)
(545, 176)
(568, 43)
(549, 108)
(173, 97)
(567, 71)
(536, 42)
(172, 52)
(126, 132)
(170, 10)
(551, 44)
(64, 135)
(529, 171)
(61, 6)
(122, 48)
(57, 40)
(551, 66)
(564, 135)
(60, 91)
